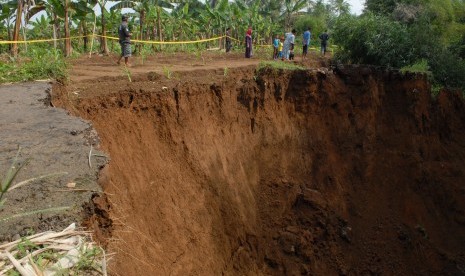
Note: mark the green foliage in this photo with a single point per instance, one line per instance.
(24, 247)
(88, 258)
(167, 72)
(127, 72)
(317, 26)
(381, 7)
(418, 67)
(37, 64)
(426, 36)
(448, 69)
(279, 65)
(7, 180)
(372, 39)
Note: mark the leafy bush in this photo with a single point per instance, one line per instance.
(372, 39)
(448, 69)
(317, 25)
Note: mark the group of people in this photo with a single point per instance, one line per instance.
(283, 48)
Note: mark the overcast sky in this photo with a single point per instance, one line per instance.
(356, 6)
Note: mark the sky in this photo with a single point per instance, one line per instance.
(356, 6)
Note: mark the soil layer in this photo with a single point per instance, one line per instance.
(351, 171)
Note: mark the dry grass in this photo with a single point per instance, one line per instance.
(69, 252)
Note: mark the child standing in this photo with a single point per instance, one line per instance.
(280, 48)
(275, 47)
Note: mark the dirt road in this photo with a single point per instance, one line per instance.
(53, 144)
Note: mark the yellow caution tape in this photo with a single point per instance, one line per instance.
(116, 38)
(163, 42)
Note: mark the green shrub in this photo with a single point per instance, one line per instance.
(372, 39)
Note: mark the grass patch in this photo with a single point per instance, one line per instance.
(35, 65)
(418, 67)
(279, 65)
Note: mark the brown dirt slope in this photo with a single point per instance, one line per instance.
(356, 171)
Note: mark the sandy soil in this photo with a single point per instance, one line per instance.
(349, 171)
(51, 142)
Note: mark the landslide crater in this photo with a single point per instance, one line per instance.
(356, 171)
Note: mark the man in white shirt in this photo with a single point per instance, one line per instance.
(289, 44)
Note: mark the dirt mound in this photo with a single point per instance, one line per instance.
(354, 171)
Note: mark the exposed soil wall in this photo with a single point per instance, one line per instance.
(356, 171)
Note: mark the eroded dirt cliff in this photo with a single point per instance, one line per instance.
(355, 171)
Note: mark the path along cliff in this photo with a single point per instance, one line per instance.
(352, 171)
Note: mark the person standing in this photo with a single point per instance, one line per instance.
(124, 40)
(275, 47)
(324, 37)
(289, 42)
(248, 43)
(306, 42)
(228, 40)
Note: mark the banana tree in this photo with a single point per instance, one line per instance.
(21, 6)
(101, 4)
(61, 9)
(291, 7)
(182, 24)
(40, 27)
(84, 14)
(6, 18)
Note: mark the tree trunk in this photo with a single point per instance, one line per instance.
(55, 19)
(84, 33)
(19, 12)
(8, 25)
(67, 36)
(24, 27)
(160, 36)
(104, 45)
(141, 28)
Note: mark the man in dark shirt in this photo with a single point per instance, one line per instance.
(324, 37)
(124, 40)
(228, 40)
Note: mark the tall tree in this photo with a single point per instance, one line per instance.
(103, 40)
(18, 19)
(340, 7)
(291, 7)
